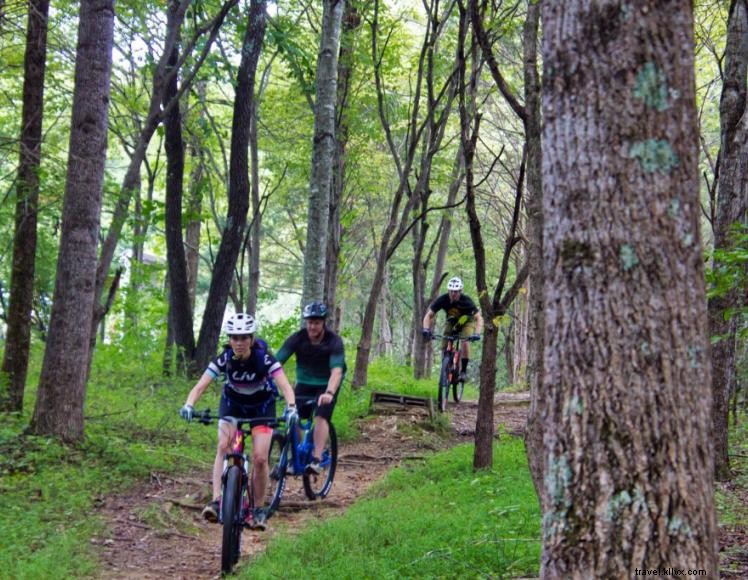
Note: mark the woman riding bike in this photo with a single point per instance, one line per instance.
(246, 364)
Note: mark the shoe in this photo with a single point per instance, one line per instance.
(463, 376)
(259, 520)
(210, 511)
(314, 467)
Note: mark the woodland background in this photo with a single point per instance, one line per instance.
(256, 155)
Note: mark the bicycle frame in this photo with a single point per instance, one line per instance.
(294, 447)
(449, 376)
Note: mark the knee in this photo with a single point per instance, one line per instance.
(259, 460)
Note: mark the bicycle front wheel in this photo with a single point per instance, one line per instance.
(457, 389)
(277, 462)
(317, 486)
(443, 385)
(231, 508)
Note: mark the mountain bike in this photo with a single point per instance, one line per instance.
(290, 453)
(236, 503)
(449, 375)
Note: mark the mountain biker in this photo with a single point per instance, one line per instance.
(320, 366)
(461, 313)
(246, 364)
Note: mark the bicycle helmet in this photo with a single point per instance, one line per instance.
(240, 323)
(455, 284)
(315, 310)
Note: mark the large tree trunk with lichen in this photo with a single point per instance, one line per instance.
(18, 337)
(626, 362)
(732, 192)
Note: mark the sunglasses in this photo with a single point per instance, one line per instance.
(241, 337)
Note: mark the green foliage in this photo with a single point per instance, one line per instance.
(429, 519)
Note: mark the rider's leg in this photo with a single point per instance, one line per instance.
(226, 433)
(261, 438)
(321, 432)
(465, 354)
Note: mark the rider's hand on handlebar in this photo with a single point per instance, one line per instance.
(187, 412)
(474, 337)
(427, 333)
(290, 414)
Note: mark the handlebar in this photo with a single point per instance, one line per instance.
(206, 417)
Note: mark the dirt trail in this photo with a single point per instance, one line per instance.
(156, 531)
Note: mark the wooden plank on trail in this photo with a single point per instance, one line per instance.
(398, 401)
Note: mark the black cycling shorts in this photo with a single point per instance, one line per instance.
(306, 393)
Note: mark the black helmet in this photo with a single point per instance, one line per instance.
(315, 310)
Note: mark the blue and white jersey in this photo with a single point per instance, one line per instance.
(249, 376)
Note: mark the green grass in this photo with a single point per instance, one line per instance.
(433, 519)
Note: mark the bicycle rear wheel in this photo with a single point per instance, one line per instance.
(277, 462)
(231, 507)
(443, 385)
(317, 486)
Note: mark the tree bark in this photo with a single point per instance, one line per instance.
(628, 468)
(194, 206)
(315, 250)
(233, 234)
(532, 124)
(180, 311)
(18, 336)
(61, 392)
(350, 25)
(732, 196)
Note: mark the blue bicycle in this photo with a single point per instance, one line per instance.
(290, 453)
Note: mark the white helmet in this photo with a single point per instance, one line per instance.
(240, 323)
(455, 284)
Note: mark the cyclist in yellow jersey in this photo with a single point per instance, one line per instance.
(461, 313)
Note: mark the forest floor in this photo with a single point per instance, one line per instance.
(155, 530)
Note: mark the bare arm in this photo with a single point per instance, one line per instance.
(478, 323)
(199, 388)
(428, 319)
(333, 384)
(285, 386)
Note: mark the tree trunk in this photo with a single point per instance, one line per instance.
(732, 192)
(350, 24)
(323, 149)
(534, 372)
(180, 311)
(518, 342)
(194, 205)
(255, 227)
(61, 393)
(18, 336)
(233, 234)
(626, 364)
(484, 432)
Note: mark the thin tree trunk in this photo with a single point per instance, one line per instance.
(627, 413)
(18, 336)
(350, 24)
(532, 123)
(315, 249)
(61, 392)
(732, 192)
(233, 234)
(255, 227)
(180, 311)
